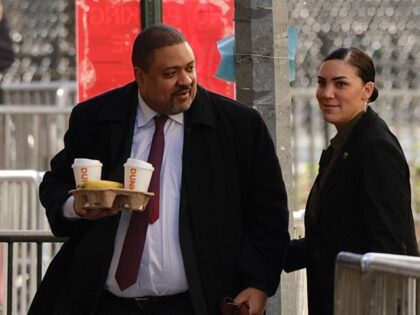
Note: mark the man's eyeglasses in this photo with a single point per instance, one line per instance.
(228, 307)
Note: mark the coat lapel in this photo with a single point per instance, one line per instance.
(344, 156)
(119, 116)
(199, 116)
(197, 148)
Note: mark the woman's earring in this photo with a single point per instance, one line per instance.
(365, 107)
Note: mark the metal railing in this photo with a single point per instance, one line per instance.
(376, 284)
(32, 134)
(33, 119)
(40, 93)
(20, 210)
(19, 260)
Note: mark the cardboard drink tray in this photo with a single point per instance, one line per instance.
(104, 198)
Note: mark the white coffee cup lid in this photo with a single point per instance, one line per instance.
(85, 162)
(139, 163)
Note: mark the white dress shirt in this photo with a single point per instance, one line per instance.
(162, 268)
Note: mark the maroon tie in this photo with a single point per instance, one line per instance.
(129, 263)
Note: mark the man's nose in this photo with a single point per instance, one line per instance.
(185, 79)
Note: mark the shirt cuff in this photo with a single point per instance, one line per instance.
(68, 209)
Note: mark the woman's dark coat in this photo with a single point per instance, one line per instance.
(363, 206)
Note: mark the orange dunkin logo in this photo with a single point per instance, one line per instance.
(132, 179)
(85, 175)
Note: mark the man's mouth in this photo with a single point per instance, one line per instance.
(182, 92)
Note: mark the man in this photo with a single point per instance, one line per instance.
(222, 224)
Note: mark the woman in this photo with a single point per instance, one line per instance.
(360, 201)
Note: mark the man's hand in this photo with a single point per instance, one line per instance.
(254, 298)
(95, 214)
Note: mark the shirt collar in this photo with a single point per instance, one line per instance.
(145, 114)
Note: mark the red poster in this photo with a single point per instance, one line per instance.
(105, 33)
(106, 30)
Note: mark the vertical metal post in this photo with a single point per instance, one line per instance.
(7, 141)
(9, 277)
(151, 12)
(38, 263)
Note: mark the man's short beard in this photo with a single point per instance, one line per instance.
(176, 109)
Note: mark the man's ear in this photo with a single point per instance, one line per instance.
(138, 74)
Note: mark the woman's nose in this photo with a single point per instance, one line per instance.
(328, 91)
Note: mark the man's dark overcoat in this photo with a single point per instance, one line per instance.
(363, 206)
(233, 209)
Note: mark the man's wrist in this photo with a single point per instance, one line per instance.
(68, 209)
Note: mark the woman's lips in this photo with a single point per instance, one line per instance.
(329, 105)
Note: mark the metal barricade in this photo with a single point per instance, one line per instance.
(19, 204)
(31, 135)
(376, 284)
(59, 94)
(20, 210)
(18, 262)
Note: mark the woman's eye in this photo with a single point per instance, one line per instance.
(341, 84)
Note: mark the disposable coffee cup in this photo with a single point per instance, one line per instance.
(86, 169)
(137, 175)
